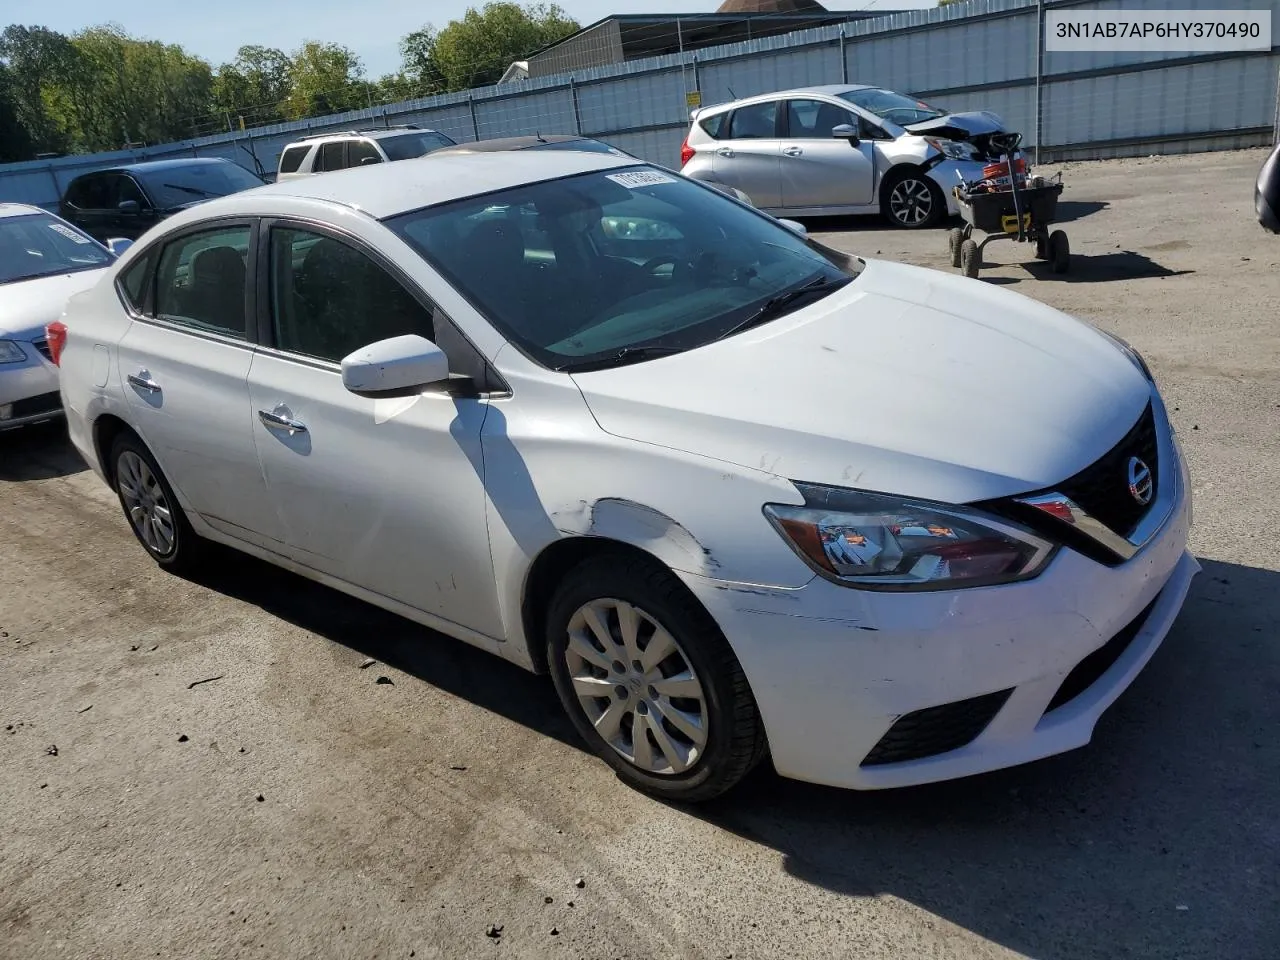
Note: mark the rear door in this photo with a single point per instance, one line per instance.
(184, 363)
(87, 203)
(747, 156)
(819, 170)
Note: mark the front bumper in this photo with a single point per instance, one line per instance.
(981, 679)
(28, 390)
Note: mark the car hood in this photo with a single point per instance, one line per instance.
(959, 126)
(906, 381)
(26, 306)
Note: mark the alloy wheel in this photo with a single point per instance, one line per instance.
(911, 201)
(146, 504)
(637, 687)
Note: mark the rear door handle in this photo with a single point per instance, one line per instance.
(279, 421)
(142, 380)
(725, 152)
(793, 151)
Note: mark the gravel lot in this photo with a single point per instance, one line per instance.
(298, 806)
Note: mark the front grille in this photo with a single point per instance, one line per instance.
(935, 730)
(43, 347)
(1090, 670)
(1102, 489)
(34, 406)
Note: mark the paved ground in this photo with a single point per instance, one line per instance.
(296, 807)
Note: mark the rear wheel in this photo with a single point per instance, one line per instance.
(151, 508)
(649, 681)
(909, 199)
(955, 237)
(970, 258)
(1059, 252)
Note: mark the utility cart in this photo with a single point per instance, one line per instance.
(1004, 209)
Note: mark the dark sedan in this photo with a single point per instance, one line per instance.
(128, 200)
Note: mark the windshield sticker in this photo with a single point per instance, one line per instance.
(68, 233)
(640, 178)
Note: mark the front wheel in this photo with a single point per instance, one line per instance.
(650, 682)
(911, 200)
(151, 508)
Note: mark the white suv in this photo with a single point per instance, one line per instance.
(324, 152)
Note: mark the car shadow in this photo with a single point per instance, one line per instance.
(448, 664)
(1071, 210)
(1085, 268)
(1158, 839)
(40, 452)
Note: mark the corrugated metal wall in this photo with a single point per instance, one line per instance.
(982, 54)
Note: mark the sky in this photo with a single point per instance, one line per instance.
(372, 28)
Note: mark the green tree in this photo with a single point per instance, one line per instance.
(325, 78)
(254, 86)
(15, 141)
(37, 58)
(477, 49)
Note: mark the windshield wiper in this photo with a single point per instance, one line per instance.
(784, 302)
(622, 357)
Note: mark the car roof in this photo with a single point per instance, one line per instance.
(388, 189)
(829, 89)
(510, 143)
(156, 166)
(19, 210)
(364, 134)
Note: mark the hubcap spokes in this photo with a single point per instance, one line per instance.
(911, 201)
(637, 687)
(145, 502)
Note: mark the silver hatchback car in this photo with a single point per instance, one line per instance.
(846, 149)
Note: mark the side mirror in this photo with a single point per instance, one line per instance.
(119, 245)
(795, 227)
(846, 131)
(397, 364)
(130, 207)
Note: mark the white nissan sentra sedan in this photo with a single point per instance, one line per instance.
(736, 492)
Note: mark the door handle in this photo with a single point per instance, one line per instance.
(793, 151)
(725, 152)
(278, 421)
(142, 380)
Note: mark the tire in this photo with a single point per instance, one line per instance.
(145, 497)
(970, 259)
(1059, 252)
(955, 237)
(611, 589)
(911, 200)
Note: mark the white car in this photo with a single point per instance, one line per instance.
(327, 152)
(845, 149)
(43, 261)
(737, 492)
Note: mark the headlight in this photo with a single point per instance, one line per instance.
(10, 352)
(1134, 356)
(955, 149)
(880, 542)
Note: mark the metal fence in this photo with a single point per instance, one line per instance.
(980, 54)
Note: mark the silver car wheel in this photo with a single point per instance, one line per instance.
(145, 503)
(636, 686)
(911, 201)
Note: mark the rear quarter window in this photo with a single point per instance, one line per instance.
(713, 126)
(291, 159)
(133, 283)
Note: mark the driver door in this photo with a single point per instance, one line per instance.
(386, 494)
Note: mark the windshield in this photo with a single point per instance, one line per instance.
(410, 145)
(894, 107)
(585, 145)
(41, 246)
(620, 265)
(191, 182)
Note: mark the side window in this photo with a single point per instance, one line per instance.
(126, 188)
(329, 299)
(291, 159)
(133, 283)
(714, 125)
(89, 193)
(755, 122)
(815, 119)
(871, 131)
(331, 156)
(361, 152)
(201, 280)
